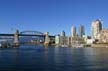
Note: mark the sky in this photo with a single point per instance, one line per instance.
(53, 16)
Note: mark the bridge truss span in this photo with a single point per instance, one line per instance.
(31, 33)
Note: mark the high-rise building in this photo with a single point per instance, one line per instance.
(62, 38)
(73, 31)
(81, 31)
(62, 33)
(96, 27)
(57, 39)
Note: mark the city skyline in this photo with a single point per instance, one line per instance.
(46, 15)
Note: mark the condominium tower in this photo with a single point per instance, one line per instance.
(96, 27)
(81, 31)
(73, 31)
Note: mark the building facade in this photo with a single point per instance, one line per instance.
(103, 36)
(81, 31)
(62, 34)
(57, 39)
(96, 27)
(62, 38)
(73, 31)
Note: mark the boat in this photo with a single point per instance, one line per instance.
(64, 46)
(78, 45)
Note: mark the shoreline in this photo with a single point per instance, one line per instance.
(99, 45)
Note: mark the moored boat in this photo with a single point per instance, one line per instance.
(64, 46)
(78, 45)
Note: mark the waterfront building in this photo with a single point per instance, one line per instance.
(62, 38)
(85, 37)
(96, 27)
(81, 31)
(77, 41)
(57, 39)
(68, 40)
(73, 31)
(75, 38)
(103, 36)
(88, 40)
(62, 34)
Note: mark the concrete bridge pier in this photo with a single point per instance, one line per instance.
(16, 38)
(47, 39)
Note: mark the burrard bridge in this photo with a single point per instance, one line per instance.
(46, 37)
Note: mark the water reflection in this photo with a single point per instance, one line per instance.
(32, 57)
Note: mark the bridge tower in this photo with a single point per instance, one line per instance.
(47, 39)
(16, 38)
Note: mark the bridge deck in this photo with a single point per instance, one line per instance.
(24, 35)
